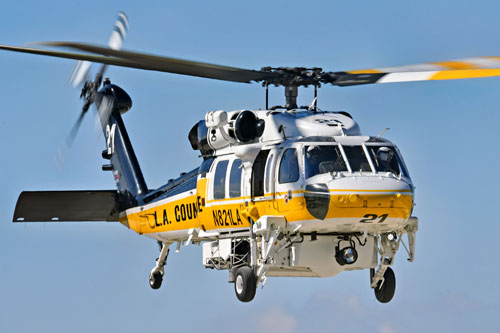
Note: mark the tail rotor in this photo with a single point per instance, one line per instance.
(80, 77)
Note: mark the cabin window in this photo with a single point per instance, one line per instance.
(323, 159)
(386, 159)
(267, 184)
(220, 180)
(235, 179)
(289, 167)
(357, 159)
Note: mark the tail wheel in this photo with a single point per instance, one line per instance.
(245, 284)
(384, 292)
(155, 280)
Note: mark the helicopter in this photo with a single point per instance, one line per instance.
(285, 191)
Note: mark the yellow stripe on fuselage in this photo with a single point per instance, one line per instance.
(175, 215)
(186, 210)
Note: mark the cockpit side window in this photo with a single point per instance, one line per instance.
(357, 159)
(235, 179)
(323, 159)
(220, 180)
(386, 159)
(289, 167)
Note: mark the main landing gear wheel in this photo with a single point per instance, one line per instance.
(384, 292)
(155, 280)
(245, 284)
(156, 275)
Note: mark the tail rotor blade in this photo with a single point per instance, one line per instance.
(68, 143)
(116, 39)
(74, 130)
(79, 73)
(119, 32)
(103, 112)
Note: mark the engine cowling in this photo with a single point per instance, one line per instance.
(198, 138)
(221, 129)
(247, 127)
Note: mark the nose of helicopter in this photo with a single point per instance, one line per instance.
(374, 192)
(354, 196)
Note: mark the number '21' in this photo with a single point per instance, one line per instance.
(369, 218)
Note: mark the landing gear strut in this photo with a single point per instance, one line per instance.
(157, 273)
(383, 280)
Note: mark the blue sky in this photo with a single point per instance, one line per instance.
(93, 276)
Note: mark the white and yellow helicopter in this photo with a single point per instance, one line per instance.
(286, 191)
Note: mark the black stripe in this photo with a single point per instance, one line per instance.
(357, 79)
(125, 23)
(119, 32)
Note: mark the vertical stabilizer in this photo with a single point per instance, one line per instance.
(112, 102)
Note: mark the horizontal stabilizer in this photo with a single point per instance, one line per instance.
(67, 206)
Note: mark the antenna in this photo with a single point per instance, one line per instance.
(267, 95)
(313, 105)
(383, 131)
(315, 102)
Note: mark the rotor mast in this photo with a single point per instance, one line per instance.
(291, 93)
(292, 78)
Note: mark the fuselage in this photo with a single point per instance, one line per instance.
(340, 183)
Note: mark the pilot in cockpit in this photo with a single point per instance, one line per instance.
(385, 160)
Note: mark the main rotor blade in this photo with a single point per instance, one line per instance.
(445, 70)
(149, 62)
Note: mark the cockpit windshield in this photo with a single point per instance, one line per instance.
(357, 159)
(320, 159)
(323, 159)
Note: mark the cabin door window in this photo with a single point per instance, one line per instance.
(268, 184)
(258, 171)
